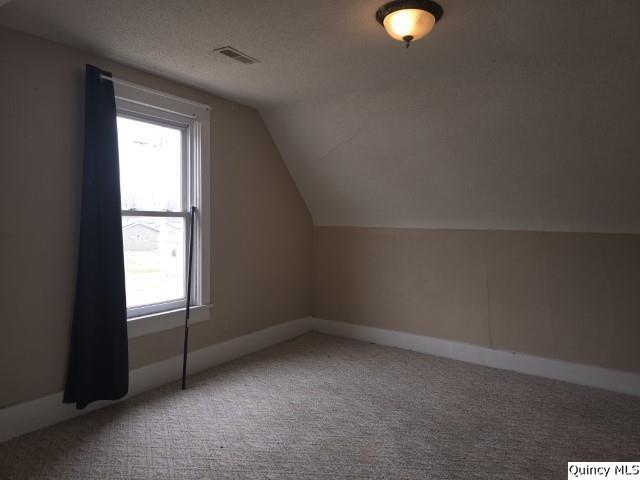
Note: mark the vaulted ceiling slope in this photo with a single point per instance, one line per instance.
(511, 114)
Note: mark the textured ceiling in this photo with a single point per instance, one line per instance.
(305, 47)
(512, 114)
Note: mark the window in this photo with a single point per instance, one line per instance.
(163, 144)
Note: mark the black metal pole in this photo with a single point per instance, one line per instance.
(186, 317)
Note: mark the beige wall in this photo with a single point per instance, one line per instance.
(569, 296)
(262, 231)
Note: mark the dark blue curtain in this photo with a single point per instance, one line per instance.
(98, 361)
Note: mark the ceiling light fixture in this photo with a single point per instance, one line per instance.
(409, 20)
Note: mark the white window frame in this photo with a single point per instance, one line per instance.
(141, 103)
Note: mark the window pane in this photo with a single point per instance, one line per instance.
(154, 259)
(150, 165)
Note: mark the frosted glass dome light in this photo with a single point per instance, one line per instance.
(409, 20)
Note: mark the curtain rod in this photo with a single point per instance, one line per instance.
(155, 92)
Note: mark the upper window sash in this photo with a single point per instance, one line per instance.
(184, 125)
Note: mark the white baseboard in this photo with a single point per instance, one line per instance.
(613, 380)
(29, 416)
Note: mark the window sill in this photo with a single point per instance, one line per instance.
(157, 322)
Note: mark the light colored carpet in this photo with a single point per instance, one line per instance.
(325, 407)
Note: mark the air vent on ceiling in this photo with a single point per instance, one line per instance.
(236, 55)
